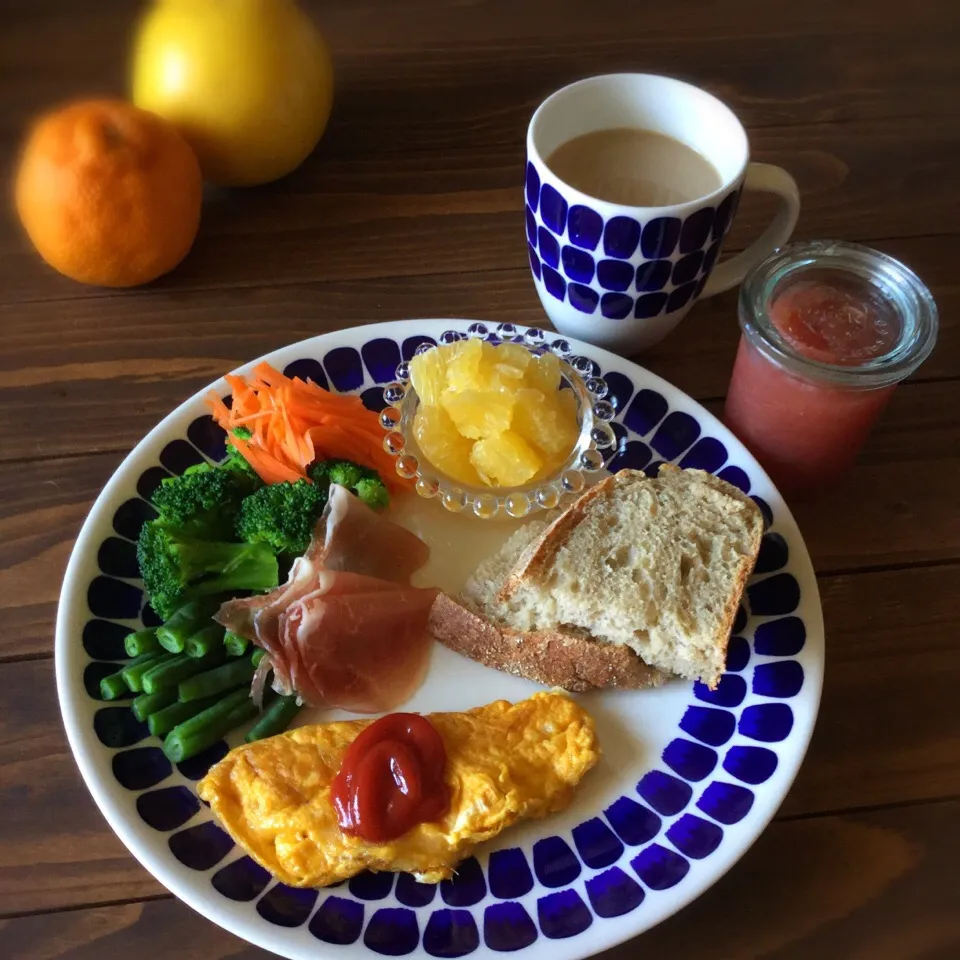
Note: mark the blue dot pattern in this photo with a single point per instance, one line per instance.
(658, 266)
(606, 865)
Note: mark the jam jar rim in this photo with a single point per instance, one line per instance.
(900, 286)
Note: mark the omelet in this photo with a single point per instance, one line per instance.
(505, 762)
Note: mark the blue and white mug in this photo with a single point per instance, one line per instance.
(620, 276)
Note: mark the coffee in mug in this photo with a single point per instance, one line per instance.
(636, 167)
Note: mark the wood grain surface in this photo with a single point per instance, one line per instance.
(412, 207)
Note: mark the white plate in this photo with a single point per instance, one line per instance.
(688, 781)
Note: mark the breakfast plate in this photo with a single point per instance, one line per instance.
(688, 779)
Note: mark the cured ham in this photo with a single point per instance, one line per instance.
(357, 643)
(346, 629)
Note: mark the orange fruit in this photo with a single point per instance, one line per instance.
(109, 194)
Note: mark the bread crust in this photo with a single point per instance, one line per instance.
(562, 657)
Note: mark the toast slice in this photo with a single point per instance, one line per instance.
(509, 636)
(656, 565)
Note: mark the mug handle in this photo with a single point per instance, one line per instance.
(768, 179)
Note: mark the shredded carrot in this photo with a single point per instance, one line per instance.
(294, 422)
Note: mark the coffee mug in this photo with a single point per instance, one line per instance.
(623, 276)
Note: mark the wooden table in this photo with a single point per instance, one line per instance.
(411, 207)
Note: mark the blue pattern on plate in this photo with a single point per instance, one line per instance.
(467, 886)
(412, 893)
(309, 369)
(178, 455)
(646, 410)
(707, 453)
(694, 837)
(392, 931)
(103, 640)
(782, 679)
(451, 933)
(509, 874)
(727, 802)
(693, 761)
(118, 558)
(150, 479)
(200, 847)
(596, 843)
(613, 893)
(242, 881)
(507, 927)
(196, 767)
(130, 516)
(371, 886)
(738, 654)
(713, 727)
(344, 368)
(208, 437)
(563, 915)
(381, 357)
(450, 928)
(677, 432)
(114, 599)
(666, 794)
(118, 727)
(768, 722)
(729, 693)
(634, 823)
(141, 768)
(660, 868)
(338, 921)
(780, 638)
(286, 906)
(554, 863)
(750, 764)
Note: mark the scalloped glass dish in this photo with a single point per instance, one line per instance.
(582, 467)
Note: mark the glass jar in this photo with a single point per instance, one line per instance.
(828, 331)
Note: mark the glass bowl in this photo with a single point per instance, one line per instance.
(583, 466)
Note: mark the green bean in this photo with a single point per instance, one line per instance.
(193, 736)
(184, 623)
(141, 642)
(113, 686)
(204, 641)
(133, 672)
(148, 703)
(275, 719)
(178, 668)
(236, 645)
(163, 721)
(231, 674)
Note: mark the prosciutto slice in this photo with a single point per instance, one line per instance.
(346, 629)
(358, 643)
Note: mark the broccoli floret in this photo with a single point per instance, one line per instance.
(235, 460)
(177, 568)
(373, 493)
(362, 481)
(282, 515)
(204, 502)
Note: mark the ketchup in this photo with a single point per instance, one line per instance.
(391, 779)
